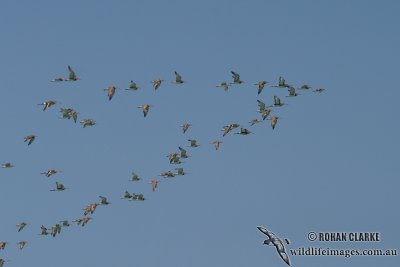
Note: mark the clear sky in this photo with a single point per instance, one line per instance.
(330, 164)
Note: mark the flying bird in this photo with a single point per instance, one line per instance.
(145, 108)
(154, 184)
(126, 195)
(137, 197)
(261, 106)
(3, 245)
(47, 104)
(88, 122)
(68, 113)
(72, 76)
(59, 187)
(193, 143)
(65, 223)
(85, 220)
(59, 79)
(224, 85)
(167, 174)
(43, 230)
(134, 177)
(277, 102)
(180, 171)
(49, 173)
(156, 83)
(104, 201)
(265, 113)
(110, 92)
(183, 151)
(133, 86)
(2, 261)
(21, 244)
(281, 83)
(244, 131)
(216, 144)
(275, 241)
(305, 87)
(21, 226)
(236, 78)
(274, 121)
(178, 78)
(229, 128)
(7, 165)
(261, 85)
(56, 229)
(185, 127)
(292, 91)
(319, 90)
(255, 121)
(30, 139)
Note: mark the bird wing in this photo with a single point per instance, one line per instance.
(72, 75)
(178, 78)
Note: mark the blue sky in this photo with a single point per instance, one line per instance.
(329, 165)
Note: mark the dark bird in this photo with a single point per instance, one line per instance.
(104, 201)
(137, 197)
(44, 230)
(72, 75)
(49, 173)
(172, 156)
(167, 174)
(244, 131)
(224, 85)
(145, 108)
(7, 165)
(305, 87)
(281, 83)
(178, 78)
(59, 79)
(277, 102)
(78, 221)
(292, 91)
(134, 177)
(68, 113)
(185, 127)
(183, 151)
(261, 106)
(180, 171)
(88, 122)
(21, 226)
(3, 245)
(56, 229)
(65, 223)
(2, 261)
(236, 78)
(319, 90)
(133, 86)
(261, 85)
(47, 104)
(29, 139)
(156, 83)
(216, 144)
(229, 128)
(126, 195)
(59, 187)
(110, 92)
(193, 143)
(273, 240)
(255, 121)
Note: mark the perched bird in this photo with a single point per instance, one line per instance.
(3, 245)
(21, 226)
(133, 86)
(185, 127)
(319, 90)
(44, 230)
(305, 87)
(49, 173)
(21, 244)
(134, 177)
(244, 131)
(193, 143)
(29, 139)
(110, 92)
(65, 223)
(104, 201)
(236, 78)
(47, 104)
(275, 241)
(145, 108)
(59, 187)
(88, 122)
(167, 174)
(178, 78)
(277, 102)
(7, 165)
(184, 154)
(216, 144)
(261, 85)
(255, 121)
(274, 121)
(154, 184)
(292, 91)
(180, 171)
(72, 76)
(157, 83)
(265, 113)
(224, 85)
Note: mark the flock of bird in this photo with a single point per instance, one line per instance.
(175, 158)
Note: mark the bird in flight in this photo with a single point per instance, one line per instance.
(216, 144)
(224, 85)
(261, 85)
(274, 121)
(43, 230)
(193, 143)
(273, 240)
(68, 113)
(178, 78)
(229, 128)
(292, 91)
(110, 91)
(319, 90)
(3, 245)
(154, 184)
(47, 104)
(133, 86)
(185, 127)
(88, 122)
(180, 171)
(255, 121)
(104, 201)
(59, 187)
(277, 102)
(21, 244)
(244, 131)
(145, 108)
(72, 76)
(7, 165)
(30, 139)
(305, 87)
(21, 226)
(134, 177)
(236, 78)
(49, 173)
(183, 151)
(156, 83)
